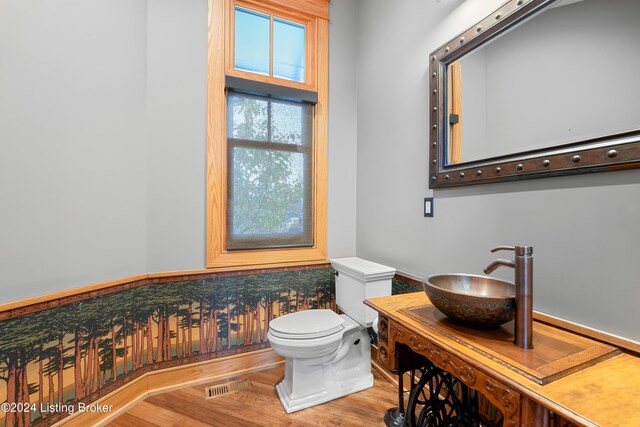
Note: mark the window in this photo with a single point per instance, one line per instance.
(269, 168)
(267, 132)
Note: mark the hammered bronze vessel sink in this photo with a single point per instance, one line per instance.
(476, 301)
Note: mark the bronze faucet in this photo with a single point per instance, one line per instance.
(524, 291)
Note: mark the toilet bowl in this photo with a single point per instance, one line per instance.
(329, 355)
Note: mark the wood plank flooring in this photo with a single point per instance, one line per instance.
(258, 406)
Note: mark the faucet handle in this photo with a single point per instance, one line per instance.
(520, 250)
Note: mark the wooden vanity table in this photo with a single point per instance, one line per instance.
(582, 381)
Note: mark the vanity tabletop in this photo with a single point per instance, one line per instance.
(595, 385)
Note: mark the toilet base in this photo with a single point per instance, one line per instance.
(309, 382)
(340, 390)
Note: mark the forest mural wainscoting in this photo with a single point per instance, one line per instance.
(62, 353)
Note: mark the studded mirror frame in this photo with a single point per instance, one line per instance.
(612, 152)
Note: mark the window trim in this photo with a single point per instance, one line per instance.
(220, 58)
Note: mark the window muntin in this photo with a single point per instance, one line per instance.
(269, 188)
(269, 45)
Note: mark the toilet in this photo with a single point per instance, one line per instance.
(329, 355)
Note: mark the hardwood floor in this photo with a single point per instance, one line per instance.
(258, 406)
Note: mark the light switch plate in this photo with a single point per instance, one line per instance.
(428, 207)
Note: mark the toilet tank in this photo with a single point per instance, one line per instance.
(358, 279)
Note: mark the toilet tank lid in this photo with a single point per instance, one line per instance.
(362, 269)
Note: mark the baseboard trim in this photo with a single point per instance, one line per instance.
(170, 379)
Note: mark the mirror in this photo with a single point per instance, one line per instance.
(538, 88)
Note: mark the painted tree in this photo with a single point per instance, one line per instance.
(58, 323)
(210, 293)
(50, 370)
(20, 344)
(183, 295)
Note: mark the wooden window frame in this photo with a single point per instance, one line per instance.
(314, 15)
(454, 83)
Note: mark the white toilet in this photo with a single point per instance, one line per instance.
(328, 355)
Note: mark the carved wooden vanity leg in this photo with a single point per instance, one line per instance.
(393, 417)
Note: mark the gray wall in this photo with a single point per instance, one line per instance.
(102, 158)
(176, 134)
(72, 143)
(584, 229)
(102, 140)
(341, 233)
(343, 130)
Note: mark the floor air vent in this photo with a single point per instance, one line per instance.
(227, 388)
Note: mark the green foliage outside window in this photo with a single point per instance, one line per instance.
(269, 166)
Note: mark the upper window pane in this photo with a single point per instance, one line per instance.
(258, 118)
(251, 41)
(288, 50)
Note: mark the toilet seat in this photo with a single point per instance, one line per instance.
(305, 325)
